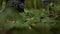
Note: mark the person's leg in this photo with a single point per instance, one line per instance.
(22, 1)
(21, 5)
(45, 4)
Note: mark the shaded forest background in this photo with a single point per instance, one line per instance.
(35, 19)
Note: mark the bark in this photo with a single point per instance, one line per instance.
(1, 4)
(9, 3)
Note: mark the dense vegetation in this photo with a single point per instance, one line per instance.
(35, 19)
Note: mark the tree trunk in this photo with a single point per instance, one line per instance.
(9, 3)
(1, 4)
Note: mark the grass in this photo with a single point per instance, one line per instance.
(11, 18)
